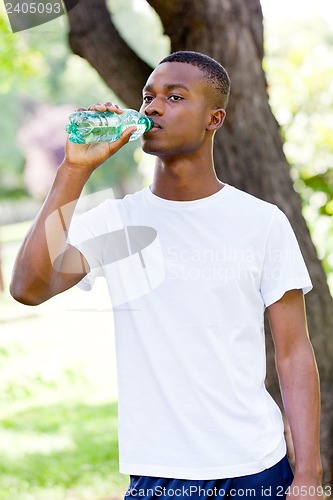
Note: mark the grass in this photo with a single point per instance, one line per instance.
(59, 449)
(57, 440)
(58, 397)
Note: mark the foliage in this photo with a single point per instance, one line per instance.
(299, 67)
(37, 66)
(18, 60)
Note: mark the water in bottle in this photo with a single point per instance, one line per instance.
(86, 127)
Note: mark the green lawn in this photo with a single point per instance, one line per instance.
(58, 397)
(65, 450)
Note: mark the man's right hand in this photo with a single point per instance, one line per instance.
(87, 157)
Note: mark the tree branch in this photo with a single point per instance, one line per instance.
(166, 9)
(94, 37)
(181, 18)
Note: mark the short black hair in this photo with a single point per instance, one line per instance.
(213, 71)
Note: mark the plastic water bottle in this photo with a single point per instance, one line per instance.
(86, 127)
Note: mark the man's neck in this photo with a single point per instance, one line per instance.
(185, 180)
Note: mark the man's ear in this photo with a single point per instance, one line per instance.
(216, 119)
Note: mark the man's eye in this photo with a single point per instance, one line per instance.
(175, 98)
(147, 98)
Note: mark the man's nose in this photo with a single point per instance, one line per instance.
(154, 108)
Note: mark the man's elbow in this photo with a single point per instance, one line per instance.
(24, 296)
(300, 354)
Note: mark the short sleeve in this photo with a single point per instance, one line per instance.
(84, 234)
(284, 267)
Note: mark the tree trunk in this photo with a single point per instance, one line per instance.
(248, 149)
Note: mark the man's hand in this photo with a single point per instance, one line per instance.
(87, 157)
(305, 488)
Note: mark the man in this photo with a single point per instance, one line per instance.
(203, 261)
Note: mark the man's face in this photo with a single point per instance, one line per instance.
(175, 97)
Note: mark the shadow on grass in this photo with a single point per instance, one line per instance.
(65, 447)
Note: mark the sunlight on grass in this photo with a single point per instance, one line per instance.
(62, 448)
(58, 423)
(56, 439)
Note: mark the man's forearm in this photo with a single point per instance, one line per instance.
(34, 272)
(301, 397)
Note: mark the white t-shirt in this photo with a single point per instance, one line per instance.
(189, 282)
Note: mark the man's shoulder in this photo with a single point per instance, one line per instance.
(249, 204)
(132, 198)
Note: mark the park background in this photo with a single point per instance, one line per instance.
(58, 396)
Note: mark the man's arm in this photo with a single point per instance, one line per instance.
(36, 278)
(299, 382)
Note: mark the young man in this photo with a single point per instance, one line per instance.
(191, 264)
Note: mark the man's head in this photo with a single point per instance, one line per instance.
(213, 72)
(185, 95)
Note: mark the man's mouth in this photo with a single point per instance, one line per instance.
(156, 125)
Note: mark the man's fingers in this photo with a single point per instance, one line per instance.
(127, 133)
(108, 106)
(114, 108)
(123, 139)
(98, 107)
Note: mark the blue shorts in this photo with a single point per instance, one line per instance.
(269, 484)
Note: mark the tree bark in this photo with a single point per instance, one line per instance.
(248, 149)
(94, 37)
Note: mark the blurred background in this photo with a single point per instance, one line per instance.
(58, 396)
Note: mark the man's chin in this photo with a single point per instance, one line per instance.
(149, 149)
